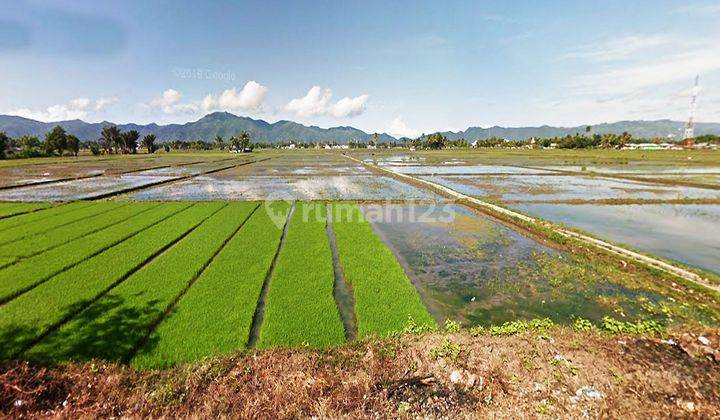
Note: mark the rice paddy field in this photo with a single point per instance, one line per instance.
(159, 260)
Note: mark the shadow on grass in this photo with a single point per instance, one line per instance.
(109, 329)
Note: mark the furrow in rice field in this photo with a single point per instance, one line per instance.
(384, 297)
(113, 325)
(42, 242)
(300, 308)
(32, 271)
(39, 216)
(13, 209)
(216, 313)
(27, 318)
(48, 225)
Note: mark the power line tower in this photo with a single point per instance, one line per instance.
(690, 127)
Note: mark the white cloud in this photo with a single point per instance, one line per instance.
(169, 103)
(639, 77)
(74, 109)
(249, 98)
(620, 48)
(398, 128)
(103, 103)
(349, 107)
(318, 101)
(630, 78)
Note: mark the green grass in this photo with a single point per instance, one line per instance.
(24, 319)
(300, 308)
(113, 326)
(51, 223)
(11, 209)
(41, 242)
(216, 313)
(27, 273)
(38, 216)
(384, 297)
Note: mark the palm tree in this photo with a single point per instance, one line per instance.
(244, 140)
(235, 143)
(110, 138)
(129, 141)
(219, 143)
(149, 143)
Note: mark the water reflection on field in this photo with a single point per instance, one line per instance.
(684, 232)
(478, 272)
(79, 189)
(554, 188)
(287, 188)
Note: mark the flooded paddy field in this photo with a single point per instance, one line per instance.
(89, 179)
(686, 233)
(471, 269)
(635, 169)
(566, 187)
(223, 187)
(80, 189)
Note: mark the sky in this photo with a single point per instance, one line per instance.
(401, 67)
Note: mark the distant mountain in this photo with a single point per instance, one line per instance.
(226, 125)
(638, 129)
(206, 128)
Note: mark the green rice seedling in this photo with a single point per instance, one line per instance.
(114, 325)
(40, 215)
(12, 209)
(48, 224)
(38, 243)
(216, 314)
(300, 309)
(6, 261)
(29, 272)
(384, 297)
(25, 319)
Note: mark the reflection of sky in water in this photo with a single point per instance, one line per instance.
(539, 188)
(23, 181)
(637, 169)
(305, 188)
(686, 233)
(466, 169)
(78, 189)
(478, 271)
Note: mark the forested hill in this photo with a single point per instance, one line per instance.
(226, 125)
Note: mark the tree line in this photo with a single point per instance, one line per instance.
(113, 140)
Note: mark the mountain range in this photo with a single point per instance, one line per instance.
(226, 125)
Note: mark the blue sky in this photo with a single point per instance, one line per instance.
(387, 66)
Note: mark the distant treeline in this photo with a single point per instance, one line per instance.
(113, 140)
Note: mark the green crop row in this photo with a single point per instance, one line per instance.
(29, 272)
(12, 209)
(41, 242)
(384, 297)
(49, 224)
(25, 319)
(300, 308)
(114, 325)
(38, 216)
(216, 313)
(6, 261)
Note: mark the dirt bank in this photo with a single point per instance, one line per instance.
(555, 373)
